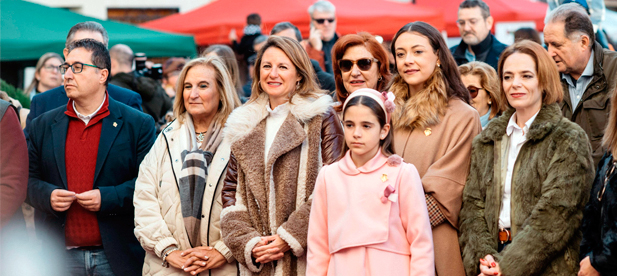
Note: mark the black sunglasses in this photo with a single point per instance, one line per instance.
(322, 20)
(363, 64)
(473, 91)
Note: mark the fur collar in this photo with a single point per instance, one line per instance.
(547, 119)
(244, 119)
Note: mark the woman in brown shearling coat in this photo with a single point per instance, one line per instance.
(434, 126)
(279, 140)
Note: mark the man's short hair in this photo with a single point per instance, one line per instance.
(253, 19)
(281, 26)
(87, 26)
(122, 54)
(468, 4)
(575, 19)
(322, 6)
(100, 55)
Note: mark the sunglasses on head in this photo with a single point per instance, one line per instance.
(363, 64)
(473, 91)
(322, 20)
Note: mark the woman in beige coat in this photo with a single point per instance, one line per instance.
(434, 126)
(178, 191)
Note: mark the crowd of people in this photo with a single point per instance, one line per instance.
(340, 156)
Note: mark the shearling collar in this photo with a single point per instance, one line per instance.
(244, 119)
(548, 117)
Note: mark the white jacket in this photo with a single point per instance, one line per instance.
(158, 213)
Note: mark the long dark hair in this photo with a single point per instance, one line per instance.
(452, 78)
(386, 143)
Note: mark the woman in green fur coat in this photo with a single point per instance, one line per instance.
(531, 172)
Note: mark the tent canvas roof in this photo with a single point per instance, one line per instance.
(212, 22)
(29, 30)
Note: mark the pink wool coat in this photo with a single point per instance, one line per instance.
(354, 229)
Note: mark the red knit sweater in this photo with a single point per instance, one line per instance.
(82, 144)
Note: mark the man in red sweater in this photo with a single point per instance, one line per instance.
(84, 158)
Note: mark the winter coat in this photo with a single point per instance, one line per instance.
(273, 197)
(600, 222)
(158, 214)
(550, 186)
(594, 107)
(155, 100)
(442, 153)
(490, 45)
(353, 222)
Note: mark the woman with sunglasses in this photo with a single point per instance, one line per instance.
(434, 126)
(483, 86)
(360, 62)
(530, 177)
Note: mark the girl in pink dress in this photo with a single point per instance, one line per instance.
(369, 215)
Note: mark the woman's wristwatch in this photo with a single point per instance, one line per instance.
(166, 253)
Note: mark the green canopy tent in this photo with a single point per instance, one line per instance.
(29, 30)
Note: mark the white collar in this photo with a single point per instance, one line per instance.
(86, 118)
(512, 124)
(280, 110)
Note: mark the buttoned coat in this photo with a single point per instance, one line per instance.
(550, 186)
(158, 212)
(273, 197)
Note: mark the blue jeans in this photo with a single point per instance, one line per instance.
(88, 262)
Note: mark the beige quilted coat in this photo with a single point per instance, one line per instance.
(158, 216)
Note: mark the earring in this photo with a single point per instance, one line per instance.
(438, 65)
(380, 78)
(297, 85)
(490, 102)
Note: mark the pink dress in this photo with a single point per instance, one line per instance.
(370, 220)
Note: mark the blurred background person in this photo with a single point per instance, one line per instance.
(171, 70)
(361, 62)
(46, 75)
(226, 54)
(477, 43)
(599, 245)
(252, 30)
(183, 238)
(323, 33)
(527, 33)
(155, 101)
(434, 126)
(532, 170)
(279, 139)
(483, 86)
(326, 80)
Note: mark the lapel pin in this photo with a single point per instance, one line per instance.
(384, 177)
(428, 131)
(115, 124)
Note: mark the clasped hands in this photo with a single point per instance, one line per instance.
(270, 248)
(196, 260)
(61, 200)
(489, 267)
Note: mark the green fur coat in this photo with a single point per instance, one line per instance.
(550, 186)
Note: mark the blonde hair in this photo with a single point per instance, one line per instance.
(546, 69)
(489, 82)
(224, 85)
(39, 65)
(307, 86)
(609, 140)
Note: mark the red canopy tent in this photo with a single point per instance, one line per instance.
(212, 23)
(501, 10)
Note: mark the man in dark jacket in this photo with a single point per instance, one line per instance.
(587, 71)
(156, 102)
(251, 31)
(56, 97)
(478, 44)
(84, 159)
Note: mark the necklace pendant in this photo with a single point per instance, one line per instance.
(200, 137)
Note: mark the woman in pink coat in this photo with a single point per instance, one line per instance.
(368, 215)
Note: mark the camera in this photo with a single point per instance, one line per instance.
(156, 72)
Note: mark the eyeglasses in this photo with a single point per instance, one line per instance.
(473, 91)
(51, 68)
(323, 20)
(363, 64)
(77, 67)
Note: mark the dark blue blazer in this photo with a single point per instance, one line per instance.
(56, 97)
(126, 138)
